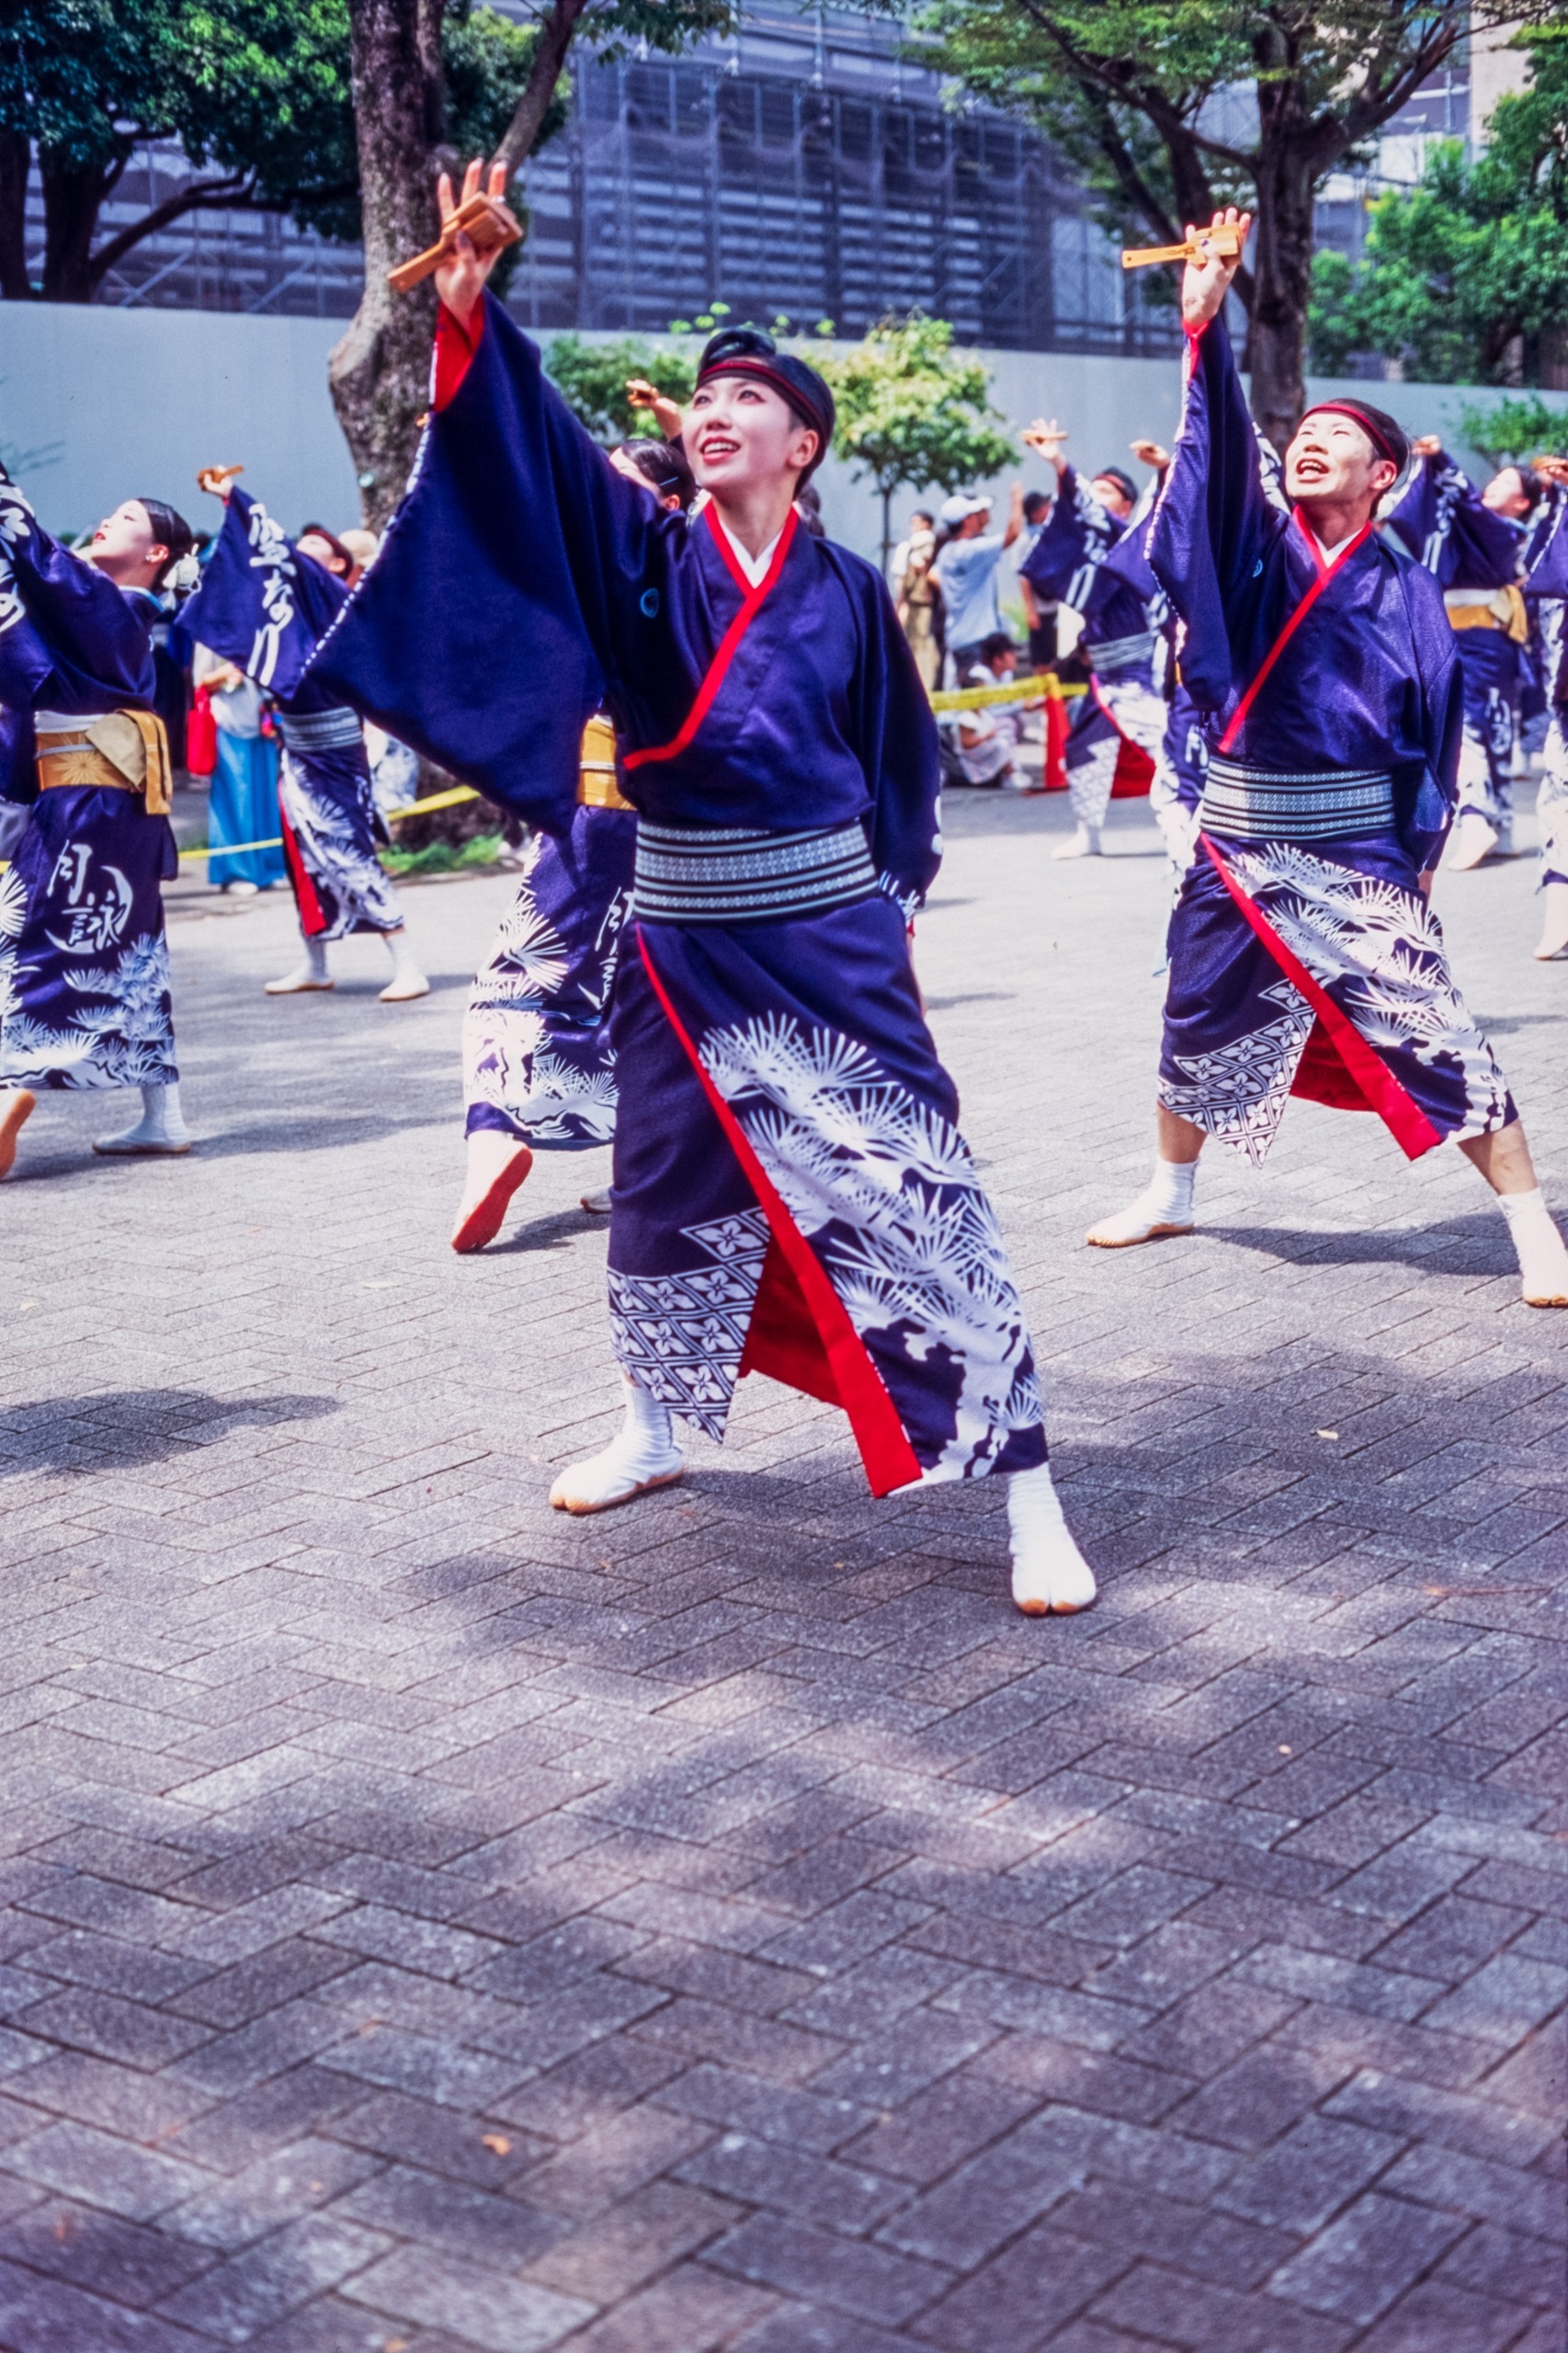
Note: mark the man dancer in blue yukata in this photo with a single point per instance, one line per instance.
(1304, 957)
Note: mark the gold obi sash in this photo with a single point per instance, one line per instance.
(597, 787)
(1503, 609)
(128, 750)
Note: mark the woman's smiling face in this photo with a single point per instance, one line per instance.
(739, 432)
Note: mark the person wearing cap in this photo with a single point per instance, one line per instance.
(969, 559)
(85, 996)
(539, 1071)
(792, 1194)
(1088, 555)
(263, 605)
(1304, 957)
(1473, 542)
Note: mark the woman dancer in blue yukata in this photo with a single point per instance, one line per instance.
(85, 996)
(1304, 957)
(792, 1194)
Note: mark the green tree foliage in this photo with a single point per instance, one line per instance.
(592, 378)
(1464, 275)
(915, 413)
(1175, 105)
(256, 92)
(1506, 431)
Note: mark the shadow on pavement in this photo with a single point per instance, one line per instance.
(129, 1427)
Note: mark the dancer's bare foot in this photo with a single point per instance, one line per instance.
(18, 1108)
(497, 1165)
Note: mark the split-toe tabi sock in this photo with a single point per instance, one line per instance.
(497, 1163)
(1473, 839)
(1165, 1206)
(642, 1455)
(16, 1110)
(407, 981)
(1083, 842)
(160, 1131)
(1554, 923)
(1543, 1258)
(1050, 1575)
(311, 974)
(599, 1204)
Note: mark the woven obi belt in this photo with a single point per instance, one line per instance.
(1309, 805)
(128, 751)
(321, 731)
(730, 874)
(1501, 608)
(597, 787)
(1117, 654)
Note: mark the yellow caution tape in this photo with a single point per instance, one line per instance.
(393, 817)
(1047, 689)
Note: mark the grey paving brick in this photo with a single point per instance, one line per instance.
(422, 1919)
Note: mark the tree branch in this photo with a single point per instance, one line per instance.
(234, 189)
(549, 58)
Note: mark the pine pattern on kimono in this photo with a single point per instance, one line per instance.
(537, 1055)
(1313, 968)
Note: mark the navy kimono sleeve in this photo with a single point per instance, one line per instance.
(897, 745)
(1213, 518)
(262, 605)
(1448, 528)
(498, 613)
(70, 639)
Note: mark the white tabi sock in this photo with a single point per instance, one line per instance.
(643, 1454)
(597, 1204)
(1050, 1574)
(1554, 926)
(1084, 841)
(311, 974)
(1543, 1260)
(160, 1130)
(1165, 1206)
(407, 981)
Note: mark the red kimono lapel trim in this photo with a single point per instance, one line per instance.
(751, 603)
(1325, 572)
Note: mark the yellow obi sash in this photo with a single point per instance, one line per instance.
(128, 750)
(597, 787)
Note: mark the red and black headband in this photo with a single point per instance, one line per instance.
(1385, 433)
(747, 351)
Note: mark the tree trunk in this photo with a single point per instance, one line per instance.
(73, 197)
(16, 162)
(1282, 275)
(379, 372)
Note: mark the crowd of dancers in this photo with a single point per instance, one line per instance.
(720, 728)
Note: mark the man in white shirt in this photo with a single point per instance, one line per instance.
(967, 569)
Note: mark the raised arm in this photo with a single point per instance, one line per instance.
(1213, 520)
(1446, 526)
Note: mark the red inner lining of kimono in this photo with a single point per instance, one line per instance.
(311, 919)
(800, 1332)
(1337, 1066)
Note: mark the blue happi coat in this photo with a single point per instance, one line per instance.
(1473, 554)
(1309, 963)
(791, 1193)
(1092, 561)
(264, 605)
(83, 961)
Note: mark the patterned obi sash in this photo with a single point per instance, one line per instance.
(597, 787)
(1309, 805)
(729, 874)
(1117, 654)
(321, 731)
(125, 750)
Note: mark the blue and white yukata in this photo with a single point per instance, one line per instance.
(538, 1062)
(1304, 958)
(1546, 592)
(1474, 556)
(263, 605)
(792, 1194)
(1071, 561)
(84, 958)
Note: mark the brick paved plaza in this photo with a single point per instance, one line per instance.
(433, 1925)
